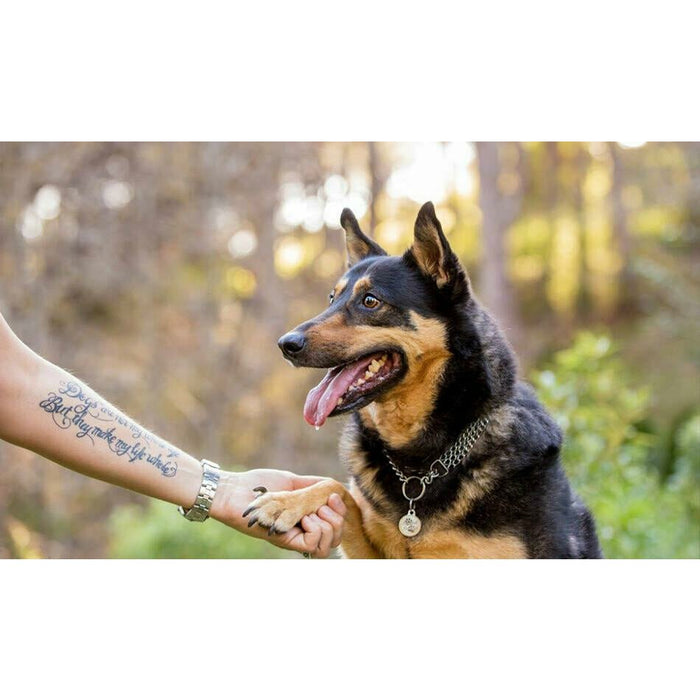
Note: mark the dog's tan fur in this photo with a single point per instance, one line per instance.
(361, 285)
(400, 414)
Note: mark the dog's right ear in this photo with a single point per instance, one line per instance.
(357, 244)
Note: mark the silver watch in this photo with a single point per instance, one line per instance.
(199, 512)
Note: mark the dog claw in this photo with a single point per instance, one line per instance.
(249, 509)
(252, 521)
(260, 490)
(271, 531)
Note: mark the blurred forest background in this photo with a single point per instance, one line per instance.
(163, 273)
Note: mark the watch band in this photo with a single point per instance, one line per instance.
(199, 511)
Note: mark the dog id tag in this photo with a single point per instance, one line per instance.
(410, 524)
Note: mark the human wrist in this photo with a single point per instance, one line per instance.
(219, 508)
(200, 509)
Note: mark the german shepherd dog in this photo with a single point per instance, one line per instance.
(449, 455)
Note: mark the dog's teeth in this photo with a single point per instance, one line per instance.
(360, 382)
(340, 401)
(368, 374)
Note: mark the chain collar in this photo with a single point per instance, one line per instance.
(410, 524)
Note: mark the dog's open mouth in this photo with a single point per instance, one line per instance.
(353, 385)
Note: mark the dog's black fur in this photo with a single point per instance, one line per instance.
(514, 479)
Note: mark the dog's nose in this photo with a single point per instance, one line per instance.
(292, 344)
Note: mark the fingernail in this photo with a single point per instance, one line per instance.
(337, 502)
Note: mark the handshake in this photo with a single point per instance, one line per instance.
(314, 536)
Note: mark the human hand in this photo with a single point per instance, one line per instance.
(315, 535)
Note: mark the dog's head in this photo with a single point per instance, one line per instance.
(387, 321)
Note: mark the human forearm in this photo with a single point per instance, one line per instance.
(47, 410)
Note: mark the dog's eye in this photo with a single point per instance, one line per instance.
(331, 296)
(370, 301)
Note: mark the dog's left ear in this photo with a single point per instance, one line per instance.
(432, 253)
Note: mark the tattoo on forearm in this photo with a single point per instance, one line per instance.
(72, 409)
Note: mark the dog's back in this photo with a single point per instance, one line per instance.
(531, 494)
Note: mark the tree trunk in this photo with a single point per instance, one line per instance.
(376, 184)
(498, 212)
(621, 232)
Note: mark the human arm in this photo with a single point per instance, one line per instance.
(45, 409)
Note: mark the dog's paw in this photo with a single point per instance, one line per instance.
(278, 512)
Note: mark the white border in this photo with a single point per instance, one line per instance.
(340, 629)
(370, 71)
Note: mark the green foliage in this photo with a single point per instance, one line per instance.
(611, 458)
(158, 532)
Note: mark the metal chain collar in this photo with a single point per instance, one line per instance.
(447, 461)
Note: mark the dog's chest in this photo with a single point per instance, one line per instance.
(435, 541)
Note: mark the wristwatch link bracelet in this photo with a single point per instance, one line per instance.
(199, 512)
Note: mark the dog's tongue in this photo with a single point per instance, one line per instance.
(322, 399)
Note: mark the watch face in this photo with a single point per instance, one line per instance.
(199, 514)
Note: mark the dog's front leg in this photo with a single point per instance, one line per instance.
(279, 511)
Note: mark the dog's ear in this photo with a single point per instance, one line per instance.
(432, 253)
(357, 244)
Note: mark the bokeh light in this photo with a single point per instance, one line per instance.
(242, 244)
(116, 194)
(31, 226)
(47, 202)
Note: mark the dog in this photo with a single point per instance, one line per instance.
(449, 454)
